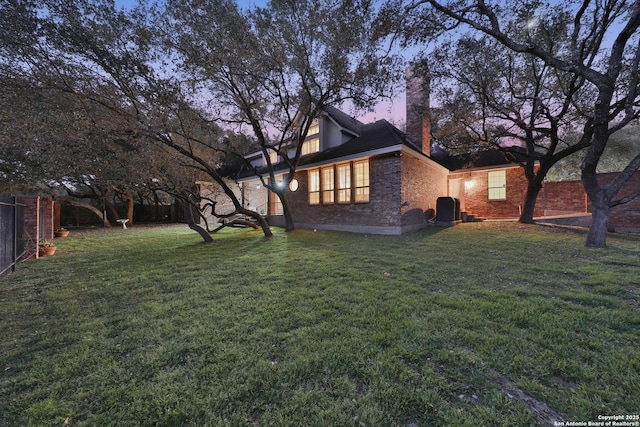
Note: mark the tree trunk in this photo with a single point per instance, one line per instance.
(600, 207)
(112, 209)
(130, 206)
(598, 196)
(289, 224)
(597, 235)
(190, 215)
(259, 219)
(533, 189)
(91, 208)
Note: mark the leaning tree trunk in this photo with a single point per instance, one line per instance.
(528, 209)
(97, 212)
(259, 219)
(191, 214)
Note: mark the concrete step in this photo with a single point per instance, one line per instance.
(469, 217)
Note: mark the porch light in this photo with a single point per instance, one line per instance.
(293, 185)
(468, 184)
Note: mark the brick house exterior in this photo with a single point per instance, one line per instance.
(471, 188)
(555, 198)
(373, 178)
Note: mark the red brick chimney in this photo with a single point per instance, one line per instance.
(417, 104)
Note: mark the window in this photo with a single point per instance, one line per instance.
(497, 185)
(328, 184)
(361, 175)
(314, 187)
(344, 183)
(276, 203)
(273, 156)
(311, 146)
(335, 184)
(314, 128)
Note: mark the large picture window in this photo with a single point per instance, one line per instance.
(497, 185)
(314, 187)
(344, 183)
(328, 185)
(361, 174)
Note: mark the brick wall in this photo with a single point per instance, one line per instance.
(561, 197)
(380, 215)
(555, 198)
(476, 193)
(418, 121)
(33, 233)
(422, 184)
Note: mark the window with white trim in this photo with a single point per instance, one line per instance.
(497, 185)
(276, 207)
(312, 143)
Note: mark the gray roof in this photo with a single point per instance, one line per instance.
(344, 120)
(374, 136)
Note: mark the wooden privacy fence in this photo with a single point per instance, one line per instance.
(12, 247)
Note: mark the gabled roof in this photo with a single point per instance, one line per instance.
(344, 120)
(374, 136)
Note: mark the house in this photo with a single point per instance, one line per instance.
(373, 178)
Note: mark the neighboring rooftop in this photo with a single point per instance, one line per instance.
(475, 159)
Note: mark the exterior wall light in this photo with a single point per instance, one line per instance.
(293, 185)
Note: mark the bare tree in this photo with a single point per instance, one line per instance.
(513, 103)
(603, 50)
(270, 71)
(104, 57)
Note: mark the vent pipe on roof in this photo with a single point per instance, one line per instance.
(418, 80)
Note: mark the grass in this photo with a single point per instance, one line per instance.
(480, 324)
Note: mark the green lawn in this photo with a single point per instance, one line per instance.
(480, 324)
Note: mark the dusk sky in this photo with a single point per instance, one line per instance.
(392, 111)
